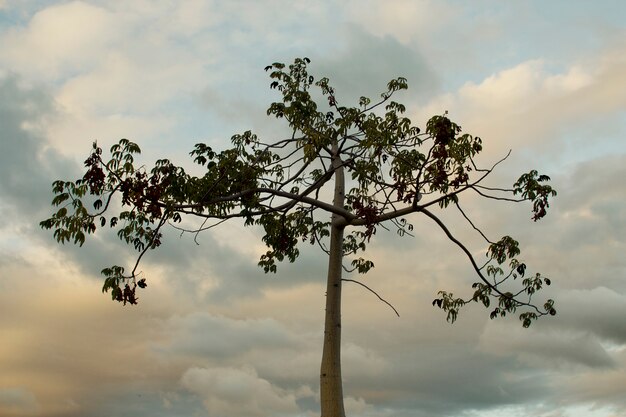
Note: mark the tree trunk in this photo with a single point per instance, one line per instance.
(331, 390)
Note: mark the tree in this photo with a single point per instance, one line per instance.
(289, 187)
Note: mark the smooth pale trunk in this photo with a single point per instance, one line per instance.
(331, 390)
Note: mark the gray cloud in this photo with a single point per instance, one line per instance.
(238, 393)
(18, 402)
(219, 338)
(599, 311)
(583, 240)
(438, 381)
(25, 160)
(602, 388)
(555, 349)
(366, 63)
(28, 166)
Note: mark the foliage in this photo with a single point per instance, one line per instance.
(395, 170)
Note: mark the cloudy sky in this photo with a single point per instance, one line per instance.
(214, 336)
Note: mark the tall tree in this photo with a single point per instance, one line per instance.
(365, 167)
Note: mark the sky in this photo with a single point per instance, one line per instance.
(213, 335)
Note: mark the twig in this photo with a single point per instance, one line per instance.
(458, 206)
(373, 292)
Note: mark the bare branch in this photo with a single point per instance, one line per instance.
(492, 197)
(458, 206)
(373, 292)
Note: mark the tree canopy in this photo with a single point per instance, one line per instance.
(342, 168)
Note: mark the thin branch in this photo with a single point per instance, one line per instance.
(460, 190)
(149, 245)
(106, 206)
(472, 224)
(295, 198)
(504, 190)
(373, 292)
(383, 217)
(492, 197)
(472, 261)
(202, 229)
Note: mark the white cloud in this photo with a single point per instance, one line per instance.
(358, 407)
(362, 363)
(59, 39)
(533, 107)
(238, 393)
(116, 70)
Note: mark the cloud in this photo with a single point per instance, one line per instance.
(583, 238)
(599, 311)
(103, 63)
(168, 73)
(591, 193)
(603, 389)
(531, 107)
(61, 47)
(405, 20)
(366, 63)
(556, 349)
(205, 335)
(29, 165)
(17, 402)
(238, 393)
(25, 161)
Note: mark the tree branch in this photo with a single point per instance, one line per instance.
(471, 258)
(149, 245)
(458, 206)
(373, 292)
